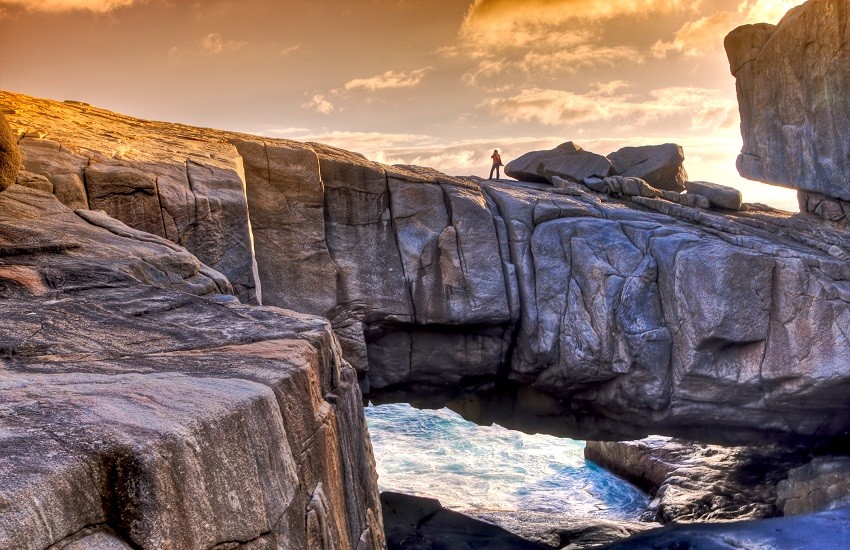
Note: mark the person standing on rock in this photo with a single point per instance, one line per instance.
(497, 161)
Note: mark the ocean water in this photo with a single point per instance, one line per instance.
(438, 454)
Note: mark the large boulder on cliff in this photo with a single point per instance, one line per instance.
(662, 166)
(721, 196)
(10, 157)
(567, 160)
(792, 82)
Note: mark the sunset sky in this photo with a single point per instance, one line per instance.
(434, 82)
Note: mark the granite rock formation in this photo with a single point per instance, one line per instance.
(567, 160)
(555, 309)
(662, 166)
(792, 80)
(181, 183)
(694, 482)
(719, 196)
(142, 406)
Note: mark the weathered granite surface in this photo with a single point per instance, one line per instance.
(792, 82)
(695, 482)
(141, 406)
(182, 183)
(567, 160)
(550, 309)
(662, 166)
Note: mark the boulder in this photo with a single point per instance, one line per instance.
(661, 166)
(792, 81)
(567, 160)
(720, 196)
(10, 156)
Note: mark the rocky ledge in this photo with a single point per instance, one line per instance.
(142, 406)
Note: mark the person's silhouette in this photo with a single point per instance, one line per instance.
(497, 161)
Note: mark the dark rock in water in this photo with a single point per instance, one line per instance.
(567, 160)
(828, 530)
(693, 482)
(662, 166)
(562, 531)
(792, 82)
(418, 523)
(10, 156)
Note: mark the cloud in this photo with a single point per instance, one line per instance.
(320, 104)
(214, 44)
(363, 142)
(290, 49)
(610, 103)
(387, 80)
(705, 35)
(765, 11)
(503, 14)
(58, 6)
(536, 65)
(544, 39)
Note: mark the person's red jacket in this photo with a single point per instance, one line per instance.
(497, 159)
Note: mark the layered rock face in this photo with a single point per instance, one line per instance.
(550, 309)
(792, 82)
(181, 183)
(142, 406)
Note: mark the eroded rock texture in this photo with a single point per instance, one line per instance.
(792, 82)
(182, 183)
(694, 482)
(141, 406)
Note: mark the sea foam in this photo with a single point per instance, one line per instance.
(438, 454)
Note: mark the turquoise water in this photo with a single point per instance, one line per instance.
(468, 467)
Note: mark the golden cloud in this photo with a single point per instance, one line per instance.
(706, 34)
(389, 79)
(214, 44)
(707, 108)
(97, 6)
(547, 38)
(320, 104)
